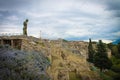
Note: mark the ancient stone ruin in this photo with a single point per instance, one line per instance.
(12, 41)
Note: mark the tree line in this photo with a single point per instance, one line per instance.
(99, 58)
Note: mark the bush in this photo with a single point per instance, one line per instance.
(105, 77)
(115, 61)
(110, 73)
(116, 68)
(116, 77)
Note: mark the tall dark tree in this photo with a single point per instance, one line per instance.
(118, 46)
(101, 59)
(90, 52)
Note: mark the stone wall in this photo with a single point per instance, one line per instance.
(13, 43)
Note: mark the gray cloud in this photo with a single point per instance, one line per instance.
(14, 4)
(113, 4)
(114, 7)
(69, 19)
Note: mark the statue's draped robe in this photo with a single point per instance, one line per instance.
(25, 28)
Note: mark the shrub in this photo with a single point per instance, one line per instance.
(116, 68)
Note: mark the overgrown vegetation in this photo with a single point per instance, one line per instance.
(74, 76)
(101, 60)
(19, 65)
(91, 52)
(65, 40)
(115, 60)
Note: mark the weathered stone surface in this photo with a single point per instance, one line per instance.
(64, 57)
(20, 65)
(67, 57)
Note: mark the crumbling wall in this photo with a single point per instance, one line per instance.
(7, 42)
(17, 43)
(12, 41)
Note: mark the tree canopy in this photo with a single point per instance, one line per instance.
(90, 52)
(101, 59)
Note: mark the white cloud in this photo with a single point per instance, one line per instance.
(106, 41)
(10, 28)
(116, 34)
(103, 40)
(65, 19)
(12, 18)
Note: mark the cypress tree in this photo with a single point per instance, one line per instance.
(101, 59)
(118, 47)
(90, 52)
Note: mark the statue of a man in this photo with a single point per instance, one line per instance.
(25, 27)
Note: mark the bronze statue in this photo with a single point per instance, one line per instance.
(25, 27)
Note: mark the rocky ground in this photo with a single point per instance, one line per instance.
(68, 62)
(46, 59)
(20, 65)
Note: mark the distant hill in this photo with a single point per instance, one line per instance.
(116, 41)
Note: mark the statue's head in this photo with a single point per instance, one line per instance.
(26, 20)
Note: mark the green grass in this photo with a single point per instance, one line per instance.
(105, 76)
(73, 76)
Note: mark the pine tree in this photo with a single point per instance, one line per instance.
(90, 52)
(101, 59)
(118, 47)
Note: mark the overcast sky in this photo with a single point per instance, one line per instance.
(68, 19)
